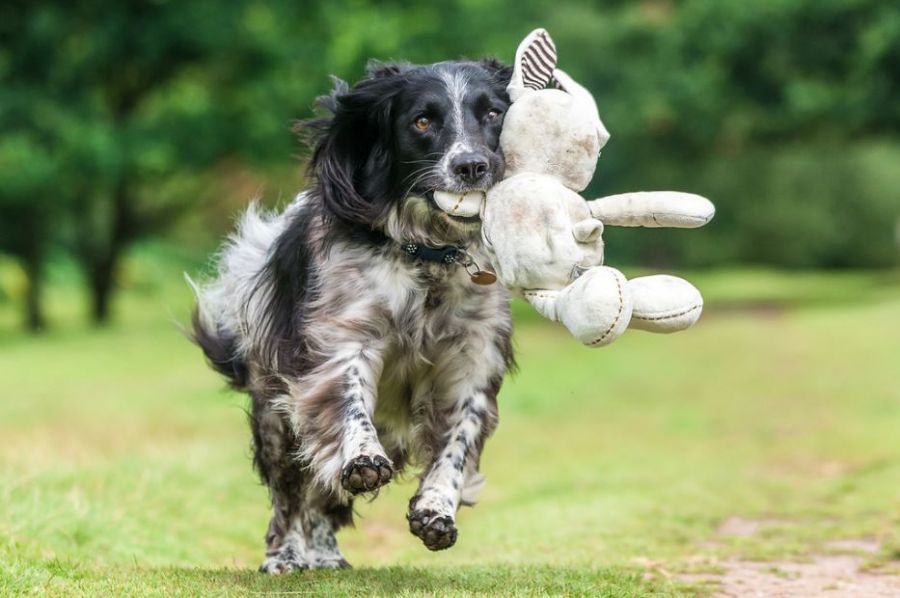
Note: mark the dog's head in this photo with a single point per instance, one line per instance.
(407, 149)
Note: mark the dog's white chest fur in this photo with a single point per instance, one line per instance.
(437, 320)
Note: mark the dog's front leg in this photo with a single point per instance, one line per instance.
(453, 469)
(334, 408)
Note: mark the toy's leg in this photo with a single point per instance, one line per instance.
(596, 307)
(664, 303)
(653, 209)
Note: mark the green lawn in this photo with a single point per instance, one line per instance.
(124, 465)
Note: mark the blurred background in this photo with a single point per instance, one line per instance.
(133, 132)
(140, 128)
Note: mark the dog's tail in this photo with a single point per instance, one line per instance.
(218, 345)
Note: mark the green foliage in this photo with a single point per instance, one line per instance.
(120, 119)
(784, 112)
(122, 107)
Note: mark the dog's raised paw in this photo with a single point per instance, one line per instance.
(437, 532)
(364, 474)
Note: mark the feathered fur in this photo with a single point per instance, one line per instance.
(357, 359)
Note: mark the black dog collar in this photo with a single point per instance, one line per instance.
(446, 254)
(450, 255)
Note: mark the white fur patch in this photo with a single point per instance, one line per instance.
(456, 83)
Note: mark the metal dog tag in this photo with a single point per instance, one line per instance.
(476, 274)
(483, 277)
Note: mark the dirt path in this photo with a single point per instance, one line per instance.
(831, 575)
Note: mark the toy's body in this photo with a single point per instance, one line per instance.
(546, 241)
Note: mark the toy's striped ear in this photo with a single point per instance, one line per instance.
(535, 62)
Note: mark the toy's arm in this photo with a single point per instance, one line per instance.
(653, 209)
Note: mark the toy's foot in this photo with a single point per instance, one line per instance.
(365, 473)
(664, 303)
(596, 307)
(437, 532)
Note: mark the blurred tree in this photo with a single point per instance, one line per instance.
(25, 194)
(119, 117)
(768, 107)
(142, 97)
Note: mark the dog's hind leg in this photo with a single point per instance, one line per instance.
(301, 531)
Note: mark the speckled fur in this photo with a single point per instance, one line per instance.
(402, 360)
(360, 361)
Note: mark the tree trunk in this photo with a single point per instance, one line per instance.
(102, 278)
(105, 261)
(34, 271)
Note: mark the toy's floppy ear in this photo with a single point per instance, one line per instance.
(535, 61)
(584, 100)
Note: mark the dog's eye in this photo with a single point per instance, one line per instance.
(422, 123)
(493, 114)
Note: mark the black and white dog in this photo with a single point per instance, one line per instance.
(351, 320)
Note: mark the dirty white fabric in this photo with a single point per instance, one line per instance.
(546, 241)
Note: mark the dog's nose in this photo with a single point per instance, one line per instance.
(470, 167)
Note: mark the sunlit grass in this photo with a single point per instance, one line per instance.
(124, 465)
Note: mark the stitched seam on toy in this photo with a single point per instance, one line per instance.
(539, 294)
(678, 315)
(618, 315)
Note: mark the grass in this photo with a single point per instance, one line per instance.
(124, 466)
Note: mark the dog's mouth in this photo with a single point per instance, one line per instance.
(465, 206)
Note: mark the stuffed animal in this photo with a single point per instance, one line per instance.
(545, 241)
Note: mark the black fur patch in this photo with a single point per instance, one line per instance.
(220, 350)
(352, 160)
(288, 281)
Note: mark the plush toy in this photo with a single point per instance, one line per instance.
(545, 240)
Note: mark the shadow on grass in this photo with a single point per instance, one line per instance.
(490, 580)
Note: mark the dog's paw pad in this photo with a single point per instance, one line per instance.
(437, 532)
(364, 474)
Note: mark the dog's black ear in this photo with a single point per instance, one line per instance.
(500, 72)
(339, 87)
(376, 68)
(351, 159)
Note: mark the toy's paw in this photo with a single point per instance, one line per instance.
(365, 473)
(588, 230)
(436, 531)
(596, 307)
(664, 303)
